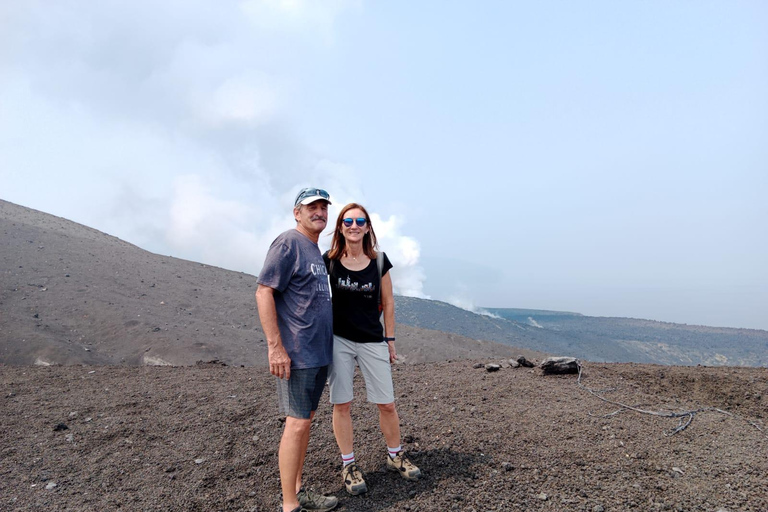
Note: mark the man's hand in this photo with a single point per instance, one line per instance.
(279, 363)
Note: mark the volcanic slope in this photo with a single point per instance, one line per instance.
(73, 295)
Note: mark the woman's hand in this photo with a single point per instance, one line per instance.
(392, 351)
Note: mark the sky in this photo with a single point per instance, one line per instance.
(601, 157)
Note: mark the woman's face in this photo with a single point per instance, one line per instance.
(354, 233)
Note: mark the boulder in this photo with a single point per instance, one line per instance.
(559, 365)
(524, 362)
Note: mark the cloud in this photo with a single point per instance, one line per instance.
(248, 100)
(210, 228)
(171, 125)
(296, 16)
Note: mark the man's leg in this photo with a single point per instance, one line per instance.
(298, 398)
(304, 446)
(293, 449)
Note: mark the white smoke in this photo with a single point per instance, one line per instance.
(465, 303)
(171, 124)
(404, 251)
(534, 322)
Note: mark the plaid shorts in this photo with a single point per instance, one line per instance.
(298, 396)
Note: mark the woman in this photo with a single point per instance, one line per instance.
(360, 292)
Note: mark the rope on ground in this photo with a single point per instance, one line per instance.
(686, 417)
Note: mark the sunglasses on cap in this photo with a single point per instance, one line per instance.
(314, 194)
(360, 221)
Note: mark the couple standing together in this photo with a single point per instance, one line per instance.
(312, 338)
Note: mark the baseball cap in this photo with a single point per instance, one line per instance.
(310, 195)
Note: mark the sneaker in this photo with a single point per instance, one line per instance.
(402, 465)
(310, 500)
(353, 479)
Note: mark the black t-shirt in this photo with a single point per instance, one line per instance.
(355, 295)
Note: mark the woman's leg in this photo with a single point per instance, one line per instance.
(340, 379)
(390, 424)
(397, 460)
(342, 427)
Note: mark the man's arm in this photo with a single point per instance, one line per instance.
(279, 362)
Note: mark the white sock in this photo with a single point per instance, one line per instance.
(394, 451)
(348, 459)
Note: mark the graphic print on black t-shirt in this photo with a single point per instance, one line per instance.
(347, 284)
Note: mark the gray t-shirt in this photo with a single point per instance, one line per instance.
(294, 267)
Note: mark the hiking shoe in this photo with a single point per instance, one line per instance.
(310, 500)
(353, 479)
(402, 465)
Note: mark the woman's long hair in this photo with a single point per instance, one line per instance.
(339, 243)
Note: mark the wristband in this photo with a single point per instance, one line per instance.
(389, 339)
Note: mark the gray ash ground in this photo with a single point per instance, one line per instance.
(206, 437)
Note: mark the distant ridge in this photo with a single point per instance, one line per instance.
(594, 338)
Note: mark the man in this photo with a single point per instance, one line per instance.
(294, 305)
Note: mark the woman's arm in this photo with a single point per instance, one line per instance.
(388, 304)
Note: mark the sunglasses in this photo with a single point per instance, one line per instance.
(360, 221)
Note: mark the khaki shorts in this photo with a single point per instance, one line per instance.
(373, 360)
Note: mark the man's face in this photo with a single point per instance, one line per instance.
(312, 217)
